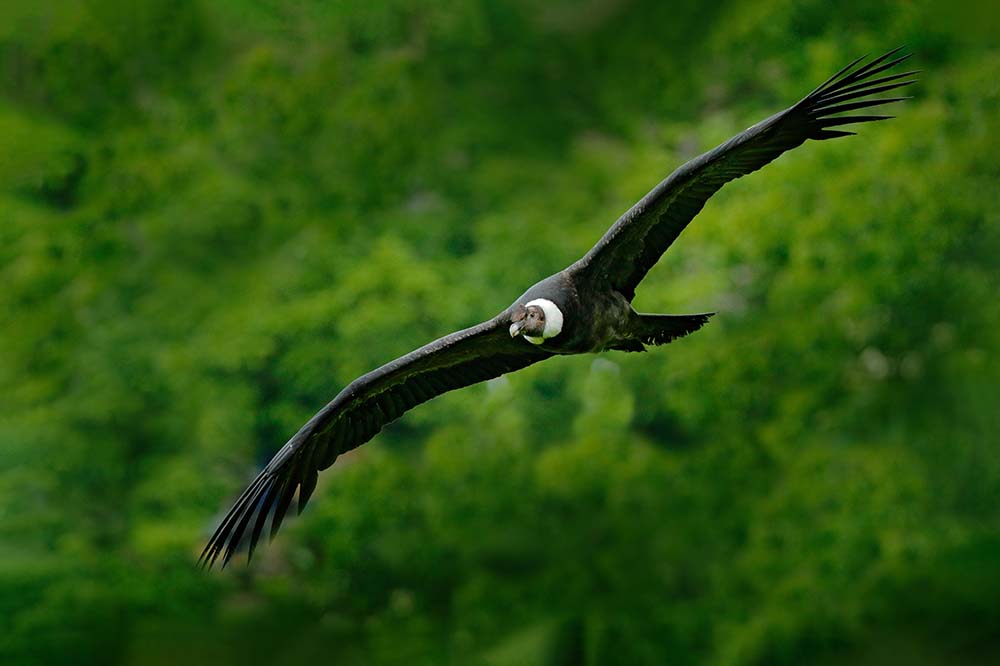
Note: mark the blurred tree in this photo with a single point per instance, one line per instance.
(215, 215)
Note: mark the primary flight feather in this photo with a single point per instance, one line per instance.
(584, 308)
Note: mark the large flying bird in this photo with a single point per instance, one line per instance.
(582, 309)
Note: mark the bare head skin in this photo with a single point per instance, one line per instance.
(528, 321)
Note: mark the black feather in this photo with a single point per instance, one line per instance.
(290, 481)
(847, 120)
(830, 101)
(218, 540)
(870, 69)
(831, 134)
(821, 87)
(875, 82)
(861, 105)
(267, 501)
(237, 534)
(280, 505)
(307, 487)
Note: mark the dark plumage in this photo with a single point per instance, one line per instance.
(585, 308)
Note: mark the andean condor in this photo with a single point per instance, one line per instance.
(583, 309)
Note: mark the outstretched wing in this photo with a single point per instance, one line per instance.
(621, 259)
(358, 413)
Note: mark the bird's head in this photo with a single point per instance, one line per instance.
(537, 320)
(528, 321)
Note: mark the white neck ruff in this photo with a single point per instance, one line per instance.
(553, 320)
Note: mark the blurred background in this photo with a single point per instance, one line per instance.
(217, 214)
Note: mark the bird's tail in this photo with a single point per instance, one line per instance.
(659, 329)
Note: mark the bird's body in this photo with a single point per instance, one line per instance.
(594, 318)
(585, 308)
(599, 319)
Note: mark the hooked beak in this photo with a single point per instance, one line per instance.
(515, 328)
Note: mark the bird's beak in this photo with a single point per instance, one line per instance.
(515, 328)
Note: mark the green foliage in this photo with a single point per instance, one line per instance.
(215, 215)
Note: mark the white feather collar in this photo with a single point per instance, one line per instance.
(553, 320)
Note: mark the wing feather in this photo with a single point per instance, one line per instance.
(356, 415)
(630, 248)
